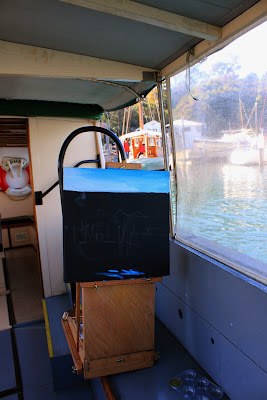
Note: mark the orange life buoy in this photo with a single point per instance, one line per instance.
(15, 177)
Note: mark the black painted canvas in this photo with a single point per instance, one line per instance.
(116, 224)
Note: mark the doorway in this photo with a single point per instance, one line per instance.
(20, 264)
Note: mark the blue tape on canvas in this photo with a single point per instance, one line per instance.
(115, 180)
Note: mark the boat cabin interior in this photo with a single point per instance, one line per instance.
(192, 324)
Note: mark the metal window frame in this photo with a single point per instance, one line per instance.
(197, 58)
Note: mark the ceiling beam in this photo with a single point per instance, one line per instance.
(151, 15)
(231, 31)
(23, 60)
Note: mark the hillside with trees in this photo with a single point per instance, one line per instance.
(224, 98)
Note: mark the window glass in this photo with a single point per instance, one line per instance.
(151, 142)
(220, 133)
(137, 143)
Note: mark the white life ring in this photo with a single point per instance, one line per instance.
(15, 177)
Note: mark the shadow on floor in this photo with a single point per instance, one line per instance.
(146, 384)
(24, 283)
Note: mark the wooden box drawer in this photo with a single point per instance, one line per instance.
(118, 327)
(118, 364)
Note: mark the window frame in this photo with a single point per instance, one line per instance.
(207, 51)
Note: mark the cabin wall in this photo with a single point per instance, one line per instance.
(46, 138)
(219, 316)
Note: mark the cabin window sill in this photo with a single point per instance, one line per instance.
(234, 269)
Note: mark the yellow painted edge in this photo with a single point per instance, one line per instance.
(48, 333)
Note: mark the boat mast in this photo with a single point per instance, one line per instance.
(128, 120)
(261, 162)
(260, 139)
(241, 115)
(124, 121)
(141, 124)
(141, 119)
(256, 124)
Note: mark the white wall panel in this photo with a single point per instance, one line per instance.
(46, 138)
(192, 331)
(241, 378)
(217, 303)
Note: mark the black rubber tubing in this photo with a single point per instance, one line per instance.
(76, 133)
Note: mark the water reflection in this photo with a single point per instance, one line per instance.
(243, 181)
(225, 204)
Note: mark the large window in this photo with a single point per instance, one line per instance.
(220, 133)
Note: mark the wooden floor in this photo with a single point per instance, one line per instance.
(4, 315)
(24, 283)
(4, 318)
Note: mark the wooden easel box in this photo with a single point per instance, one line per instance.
(118, 323)
(118, 319)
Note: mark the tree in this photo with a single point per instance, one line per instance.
(150, 111)
(219, 95)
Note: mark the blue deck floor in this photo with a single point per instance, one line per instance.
(36, 373)
(7, 376)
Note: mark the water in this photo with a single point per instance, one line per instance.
(225, 204)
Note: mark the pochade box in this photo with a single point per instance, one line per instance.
(115, 224)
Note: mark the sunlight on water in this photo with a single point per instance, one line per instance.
(225, 204)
